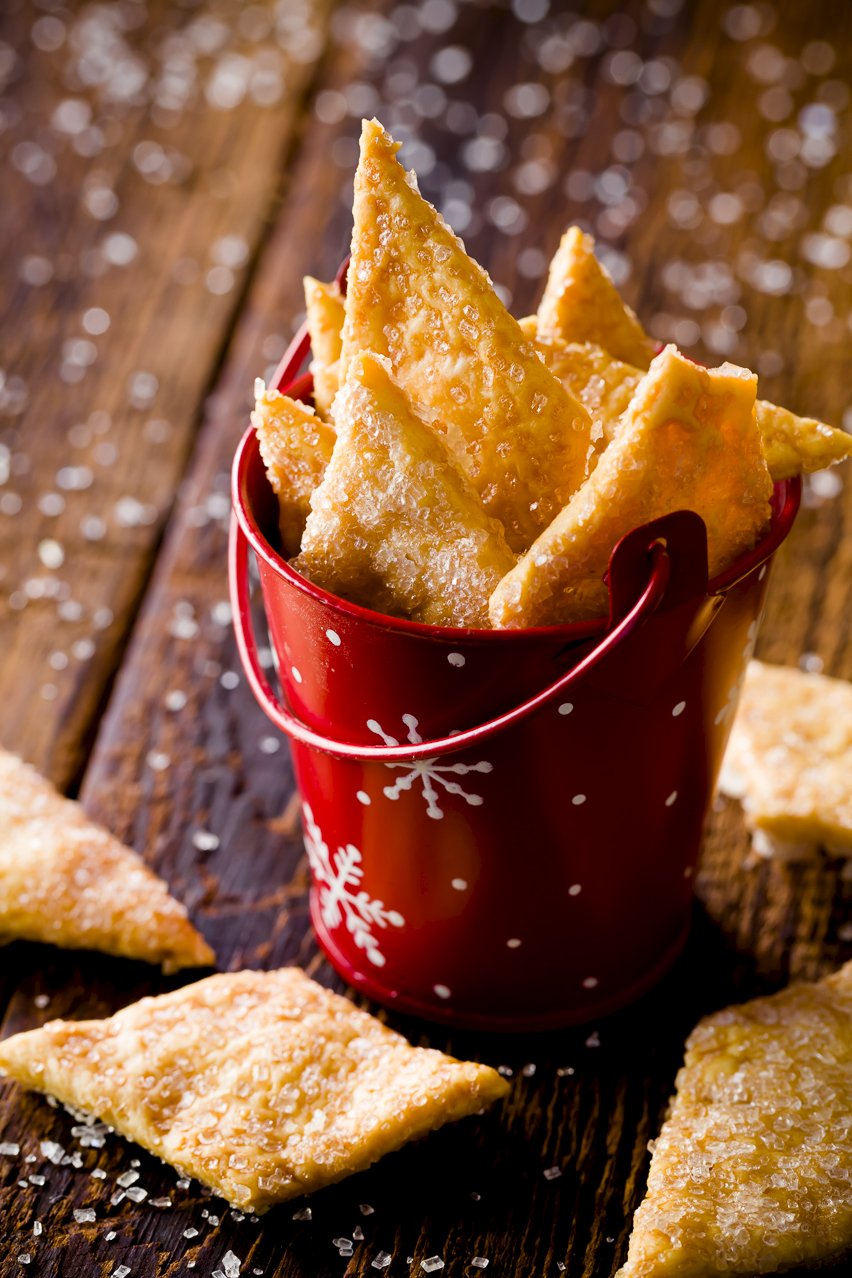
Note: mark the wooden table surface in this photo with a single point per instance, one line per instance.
(170, 170)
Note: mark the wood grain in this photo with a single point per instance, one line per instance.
(155, 235)
(585, 1102)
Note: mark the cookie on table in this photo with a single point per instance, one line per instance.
(688, 439)
(415, 296)
(752, 1170)
(296, 446)
(261, 1085)
(324, 314)
(789, 760)
(581, 304)
(395, 526)
(67, 881)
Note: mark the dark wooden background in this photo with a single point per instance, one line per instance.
(169, 172)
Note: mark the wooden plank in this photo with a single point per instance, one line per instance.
(159, 776)
(143, 152)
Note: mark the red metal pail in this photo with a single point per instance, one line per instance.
(502, 826)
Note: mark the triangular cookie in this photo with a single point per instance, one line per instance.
(394, 525)
(415, 296)
(324, 311)
(66, 881)
(688, 440)
(798, 445)
(262, 1085)
(790, 761)
(296, 447)
(791, 445)
(752, 1171)
(581, 304)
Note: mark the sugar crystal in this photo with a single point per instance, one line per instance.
(382, 1260)
(84, 1215)
(432, 1264)
(231, 1265)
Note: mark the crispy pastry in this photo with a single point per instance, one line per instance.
(262, 1085)
(688, 439)
(394, 525)
(295, 446)
(324, 311)
(415, 296)
(65, 880)
(790, 761)
(752, 1171)
(581, 304)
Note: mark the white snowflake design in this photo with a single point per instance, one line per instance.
(337, 877)
(730, 705)
(427, 772)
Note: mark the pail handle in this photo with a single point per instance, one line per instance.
(659, 563)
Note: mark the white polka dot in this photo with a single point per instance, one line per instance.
(333, 637)
(566, 707)
(578, 799)
(297, 674)
(443, 991)
(671, 799)
(455, 659)
(590, 982)
(513, 943)
(364, 798)
(678, 709)
(460, 885)
(575, 889)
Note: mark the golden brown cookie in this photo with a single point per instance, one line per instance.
(791, 445)
(262, 1085)
(790, 761)
(324, 312)
(752, 1171)
(295, 446)
(414, 295)
(688, 440)
(581, 304)
(395, 526)
(66, 881)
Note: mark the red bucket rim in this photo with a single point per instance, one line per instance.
(785, 504)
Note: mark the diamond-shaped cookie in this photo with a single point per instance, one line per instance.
(262, 1085)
